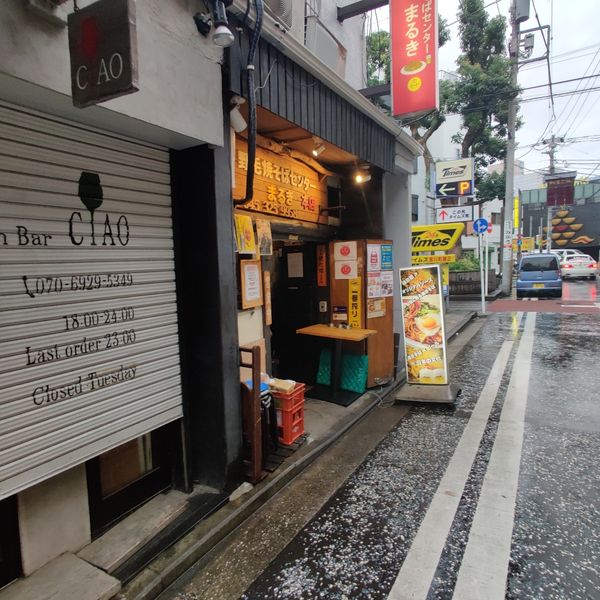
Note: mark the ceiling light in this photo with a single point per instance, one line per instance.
(318, 149)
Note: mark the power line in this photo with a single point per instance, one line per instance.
(584, 100)
(585, 74)
(537, 18)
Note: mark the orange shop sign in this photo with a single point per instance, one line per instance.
(414, 34)
(283, 186)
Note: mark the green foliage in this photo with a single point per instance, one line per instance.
(378, 58)
(467, 262)
(484, 88)
(491, 186)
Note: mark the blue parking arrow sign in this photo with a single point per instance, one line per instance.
(480, 226)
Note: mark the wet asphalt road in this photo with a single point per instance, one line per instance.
(357, 544)
(538, 537)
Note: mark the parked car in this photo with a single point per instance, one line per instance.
(580, 265)
(539, 274)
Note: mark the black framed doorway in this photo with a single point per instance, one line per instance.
(10, 547)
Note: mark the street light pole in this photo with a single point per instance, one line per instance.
(509, 164)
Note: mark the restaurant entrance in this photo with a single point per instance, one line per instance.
(297, 302)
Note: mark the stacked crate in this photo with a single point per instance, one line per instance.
(290, 413)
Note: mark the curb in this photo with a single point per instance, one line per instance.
(151, 582)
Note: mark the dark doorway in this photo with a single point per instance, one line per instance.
(125, 477)
(10, 554)
(295, 299)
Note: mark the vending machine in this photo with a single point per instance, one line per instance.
(361, 296)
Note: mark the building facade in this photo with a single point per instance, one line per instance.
(121, 317)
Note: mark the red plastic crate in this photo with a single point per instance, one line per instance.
(290, 400)
(290, 424)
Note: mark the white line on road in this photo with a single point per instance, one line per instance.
(484, 567)
(417, 572)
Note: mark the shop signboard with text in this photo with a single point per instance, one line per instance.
(423, 325)
(283, 186)
(433, 238)
(103, 51)
(414, 41)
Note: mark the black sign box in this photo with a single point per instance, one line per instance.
(103, 50)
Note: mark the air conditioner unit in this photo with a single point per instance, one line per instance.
(280, 10)
(321, 42)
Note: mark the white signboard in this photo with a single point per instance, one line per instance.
(454, 170)
(454, 214)
(507, 251)
(346, 269)
(345, 251)
(89, 352)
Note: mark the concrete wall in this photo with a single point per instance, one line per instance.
(350, 34)
(179, 101)
(397, 227)
(53, 518)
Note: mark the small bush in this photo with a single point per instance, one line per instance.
(467, 262)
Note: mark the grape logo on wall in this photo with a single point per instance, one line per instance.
(90, 192)
(92, 196)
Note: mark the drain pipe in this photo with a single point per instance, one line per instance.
(258, 5)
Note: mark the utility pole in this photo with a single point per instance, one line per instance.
(552, 144)
(509, 162)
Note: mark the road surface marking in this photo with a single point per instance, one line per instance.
(578, 305)
(484, 567)
(419, 566)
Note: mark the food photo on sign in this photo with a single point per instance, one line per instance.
(423, 324)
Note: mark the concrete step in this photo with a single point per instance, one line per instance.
(65, 578)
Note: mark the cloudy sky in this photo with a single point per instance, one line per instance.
(575, 52)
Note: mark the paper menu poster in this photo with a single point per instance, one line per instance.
(244, 234)
(373, 257)
(423, 325)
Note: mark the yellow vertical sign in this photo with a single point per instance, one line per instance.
(516, 213)
(354, 303)
(445, 274)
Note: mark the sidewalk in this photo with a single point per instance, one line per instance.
(325, 424)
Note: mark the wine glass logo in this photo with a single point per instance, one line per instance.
(90, 193)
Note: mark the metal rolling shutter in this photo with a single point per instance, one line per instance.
(89, 353)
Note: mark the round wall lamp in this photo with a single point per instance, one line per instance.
(362, 174)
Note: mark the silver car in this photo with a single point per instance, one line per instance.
(579, 265)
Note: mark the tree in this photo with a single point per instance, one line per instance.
(483, 88)
(378, 58)
(490, 186)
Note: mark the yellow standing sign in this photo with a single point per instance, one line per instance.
(423, 324)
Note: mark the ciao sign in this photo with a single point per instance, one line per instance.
(103, 50)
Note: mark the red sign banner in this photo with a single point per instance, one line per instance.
(414, 33)
(561, 191)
